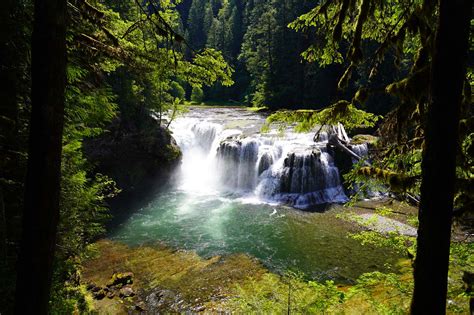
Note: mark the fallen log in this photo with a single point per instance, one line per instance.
(342, 145)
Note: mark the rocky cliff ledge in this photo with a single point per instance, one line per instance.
(141, 158)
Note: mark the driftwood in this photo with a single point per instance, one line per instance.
(342, 144)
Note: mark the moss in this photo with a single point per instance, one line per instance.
(196, 279)
(121, 278)
(361, 139)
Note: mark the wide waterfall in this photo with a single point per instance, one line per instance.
(232, 192)
(225, 152)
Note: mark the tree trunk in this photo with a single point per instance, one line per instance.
(3, 230)
(42, 185)
(439, 158)
(11, 58)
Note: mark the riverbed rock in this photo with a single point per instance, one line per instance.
(120, 279)
(199, 308)
(126, 291)
(361, 139)
(166, 300)
(91, 286)
(141, 307)
(99, 295)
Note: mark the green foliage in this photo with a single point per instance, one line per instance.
(391, 293)
(340, 112)
(373, 293)
(384, 293)
(156, 69)
(177, 90)
(273, 294)
(387, 23)
(464, 198)
(391, 239)
(89, 107)
(207, 68)
(83, 209)
(394, 240)
(197, 95)
(405, 31)
(398, 171)
(69, 297)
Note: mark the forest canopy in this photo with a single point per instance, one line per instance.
(91, 82)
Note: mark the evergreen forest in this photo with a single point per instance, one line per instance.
(236, 157)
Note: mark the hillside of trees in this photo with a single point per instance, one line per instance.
(90, 87)
(270, 66)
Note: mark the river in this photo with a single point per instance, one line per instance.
(241, 191)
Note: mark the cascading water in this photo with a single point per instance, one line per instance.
(230, 196)
(228, 154)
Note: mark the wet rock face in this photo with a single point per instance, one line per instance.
(308, 173)
(140, 159)
(265, 162)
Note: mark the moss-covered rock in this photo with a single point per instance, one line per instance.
(361, 139)
(121, 279)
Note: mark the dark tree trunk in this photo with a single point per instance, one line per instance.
(439, 158)
(3, 230)
(11, 57)
(42, 186)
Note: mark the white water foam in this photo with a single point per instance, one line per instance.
(228, 154)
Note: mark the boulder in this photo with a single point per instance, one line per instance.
(120, 279)
(99, 295)
(141, 307)
(360, 139)
(126, 291)
(199, 308)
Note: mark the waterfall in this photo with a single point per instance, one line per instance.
(361, 150)
(290, 168)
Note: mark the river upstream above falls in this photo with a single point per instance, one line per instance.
(240, 191)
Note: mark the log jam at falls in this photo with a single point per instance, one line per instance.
(225, 151)
(237, 191)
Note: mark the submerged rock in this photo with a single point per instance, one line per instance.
(126, 291)
(99, 295)
(121, 279)
(141, 307)
(91, 286)
(385, 225)
(200, 308)
(161, 299)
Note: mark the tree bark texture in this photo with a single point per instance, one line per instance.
(42, 185)
(439, 157)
